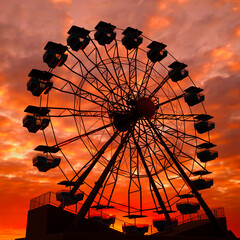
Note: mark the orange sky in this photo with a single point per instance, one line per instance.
(203, 34)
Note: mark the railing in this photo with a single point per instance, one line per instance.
(50, 198)
(200, 215)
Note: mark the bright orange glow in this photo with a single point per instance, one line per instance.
(182, 1)
(158, 22)
(222, 53)
(62, 1)
(234, 66)
(162, 5)
(237, 31)
(235, 5)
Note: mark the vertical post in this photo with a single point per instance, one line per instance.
(191, 186)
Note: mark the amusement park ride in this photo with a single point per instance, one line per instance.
(140, 137)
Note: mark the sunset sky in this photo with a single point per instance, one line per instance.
(203, 34)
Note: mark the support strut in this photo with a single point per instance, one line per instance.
(151, 180)
(218, 227)
(81, 179)
(88, 202)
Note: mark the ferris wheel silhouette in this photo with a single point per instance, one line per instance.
(137, 116)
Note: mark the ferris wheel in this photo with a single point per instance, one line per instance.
(124, 123)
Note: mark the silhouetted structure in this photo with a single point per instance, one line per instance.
(51, 222)
(135, 117)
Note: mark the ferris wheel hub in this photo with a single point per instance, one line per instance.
(145, 107)
(122, 121)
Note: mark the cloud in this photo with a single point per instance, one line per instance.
(157, 22)
(222, 53)
(203, 34)
(62, 1)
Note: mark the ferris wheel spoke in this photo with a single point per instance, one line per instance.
(147, 76)
(187, 156)
(174, 146)
(103, 69)
(180, 117)
(100, 86)
(67, 82)
(158, 196)
(183, 154)
(158, 179)
(121, 73)
(160, 85)
(88, 202)
(156, 172)
(68, 112)
(92, 163)
(132, 69)
(106, 74)
(118, 68)
(113, 174)
(93, 98)
(166, 169)
(180, 133)
(188, 181)
(135, 186)
(182, 138)
(84, 93)
(176, 134)
(113, 85)
(164, 166)
(170, 100)
(86, 96)
(66, 142)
